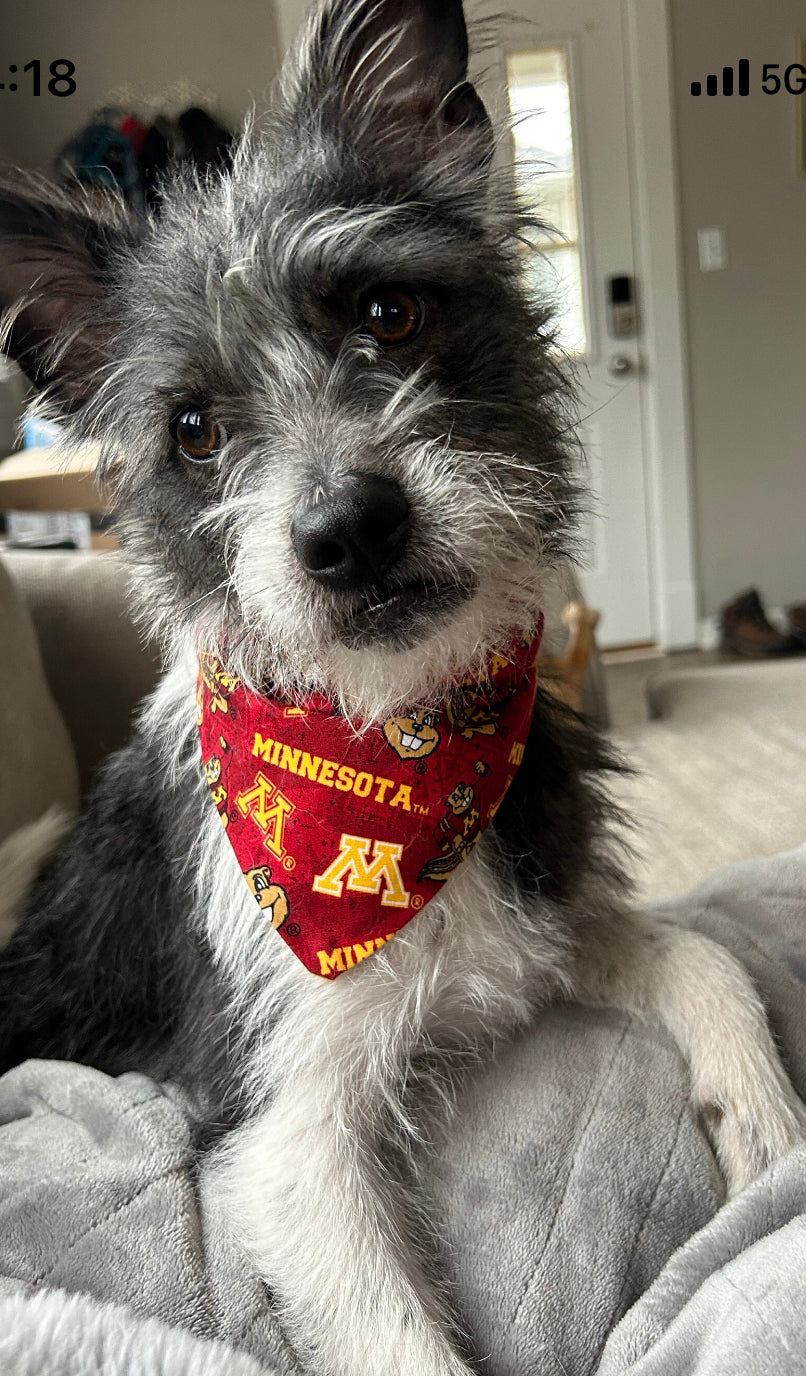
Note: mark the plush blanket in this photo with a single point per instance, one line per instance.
(576, 1204)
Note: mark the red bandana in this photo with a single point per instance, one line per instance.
(343, 838)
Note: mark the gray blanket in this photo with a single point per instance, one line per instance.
(576, 1204)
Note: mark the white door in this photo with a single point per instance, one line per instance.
(562, 71)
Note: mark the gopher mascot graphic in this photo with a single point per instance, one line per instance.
(475, 708)
(219, 683)
(215, 774)
(271, 898)
(413, 737)
(456, 834)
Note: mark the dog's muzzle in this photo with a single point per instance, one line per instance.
(354, 537)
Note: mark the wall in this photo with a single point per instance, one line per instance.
(747, 324)
(290, 14)
(226, 49)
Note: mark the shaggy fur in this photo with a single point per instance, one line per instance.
(142, 946)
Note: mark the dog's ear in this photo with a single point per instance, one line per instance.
(392, 71)
(55, 258)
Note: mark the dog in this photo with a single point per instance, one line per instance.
(339, 442)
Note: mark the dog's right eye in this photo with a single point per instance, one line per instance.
(393, 315)
(196, 435)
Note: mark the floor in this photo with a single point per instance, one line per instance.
(626, 675)
(719, 774)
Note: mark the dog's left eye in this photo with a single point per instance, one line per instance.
(196, 435)
(392, 315)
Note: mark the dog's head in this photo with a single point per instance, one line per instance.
(330, 417)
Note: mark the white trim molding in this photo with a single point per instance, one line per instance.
(658, 249)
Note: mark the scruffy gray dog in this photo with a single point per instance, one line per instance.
(338, 440)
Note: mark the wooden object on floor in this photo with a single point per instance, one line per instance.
(564, 675)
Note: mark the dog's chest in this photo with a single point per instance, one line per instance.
(469, 965)
(474, 960)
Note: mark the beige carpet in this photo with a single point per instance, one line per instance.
(722, 770)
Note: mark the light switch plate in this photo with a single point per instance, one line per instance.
(712, 249)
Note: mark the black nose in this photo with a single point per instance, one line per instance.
(355, 536)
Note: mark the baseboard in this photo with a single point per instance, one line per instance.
(623, 654)
(676, 616)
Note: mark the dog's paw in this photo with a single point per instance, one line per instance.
(748, 1136)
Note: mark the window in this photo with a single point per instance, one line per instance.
(545, 165)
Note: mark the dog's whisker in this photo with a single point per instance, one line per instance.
(211, 593)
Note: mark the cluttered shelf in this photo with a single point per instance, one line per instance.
(50, 499)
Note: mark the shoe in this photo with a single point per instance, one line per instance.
(747, 632)
(797, 622)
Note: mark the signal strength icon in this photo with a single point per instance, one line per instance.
(712, 81)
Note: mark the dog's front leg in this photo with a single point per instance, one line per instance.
(701, 994)
(325, 1223)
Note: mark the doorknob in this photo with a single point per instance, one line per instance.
(620, 365)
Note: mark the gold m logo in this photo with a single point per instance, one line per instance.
(364, 875)
(269, 810)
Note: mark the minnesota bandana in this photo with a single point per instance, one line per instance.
(344, 837)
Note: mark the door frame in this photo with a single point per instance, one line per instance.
(657, 236)
(658, 257)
